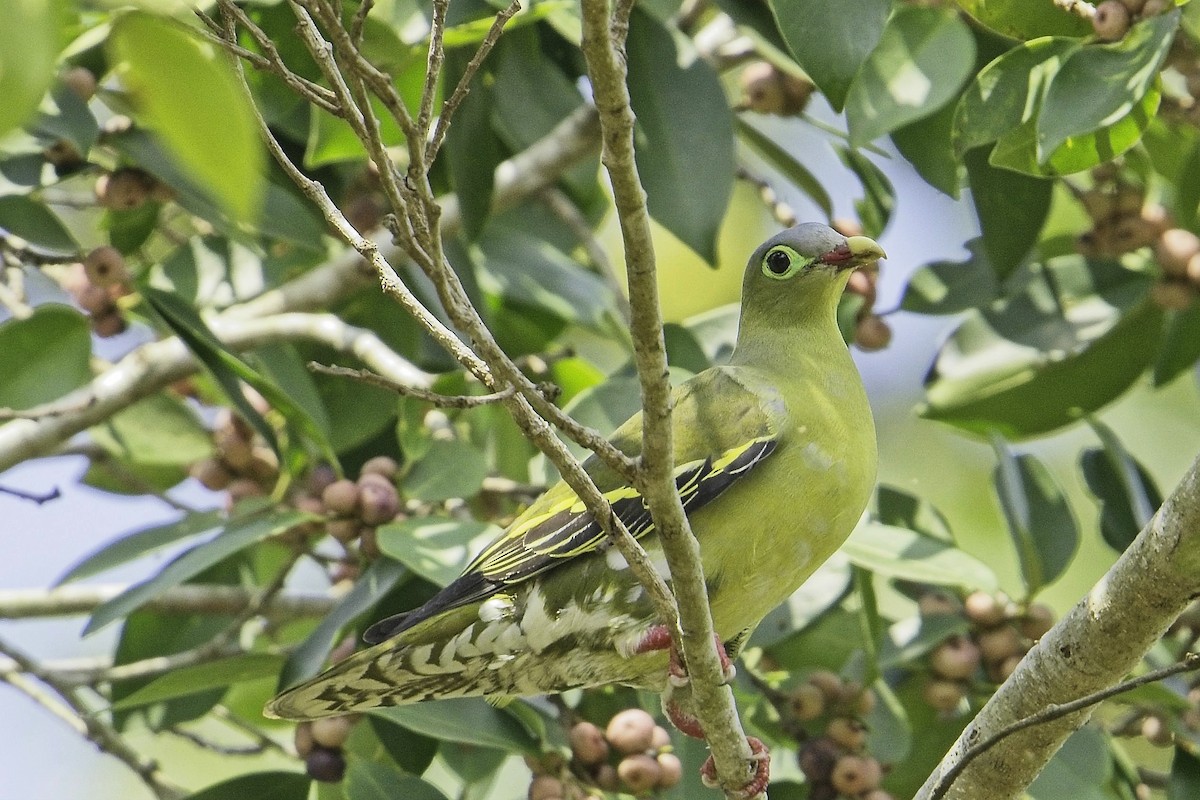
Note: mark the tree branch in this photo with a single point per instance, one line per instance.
(692, 631)
(439, 400)
(1093, 647)
(188, 598)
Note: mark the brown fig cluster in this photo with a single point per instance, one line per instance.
(770, 90)
(97, 285)
(631, 755)
(127, 188)
(354, 509)
(320, 743)
(1114, 17)
(871, 331)
(836, 763)
(242, 463)
(1000, 635)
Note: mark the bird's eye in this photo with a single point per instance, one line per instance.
(779, 262)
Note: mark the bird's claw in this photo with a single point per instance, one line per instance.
(761, 759)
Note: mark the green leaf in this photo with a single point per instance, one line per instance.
(684, 146)
(196, 106)
(879, 198)
(1126, 492)
(983, 382)
(152, 442)
(66, 116)
(30, 33)
(922, 59)
(1039, 519)
(1011, 208)
(376, 581)
(436, 548)
(141, 543)
(39, 226)
(904, 510)
(449, 468)
(375, 780)
(274, 785)
(907, 555)
(472, 150)
(1100, 84)
(818, 594)
(929, 148)
(831, 40)
(1026, 19)
(949, 287)
(1180, 346)
(239, 534)
(412, 752)
(43, 356)
(471, 720)
(1185, 776)
(1080, 770)
(228, 369)
(786, 164)
(189, 680)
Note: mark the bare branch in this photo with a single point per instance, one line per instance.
(562, 207)
(188, 598)
(439, 400)
(53, 494)
(433, 68)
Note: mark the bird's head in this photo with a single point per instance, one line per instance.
(803, 270)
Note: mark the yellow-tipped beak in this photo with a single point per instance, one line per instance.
(864, 250)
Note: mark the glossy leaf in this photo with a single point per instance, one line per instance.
(238, 534)
(1184, 782)
(1039, 519)
(949, 287)
(43, 356)
(901, 509)
(189, 680)
(922, 59)
(831, 40)
(472, 150)
(1011, 208)
(153, 442)
(929, 147)
(436, 548)
(1082, 769)
(375, 780)
(786, 164)
(822, 590)
(1026, 19)
(197, 107)
(376, 581)
(675, 94)
(40, 227)
(1127, 494)
(274, 785)
(411, 751)
(1180, 346)
(30, 32)
(449, 468)
(1100, 84)
(141, 543)
(879, 198)
(901, 553)
(470, 720)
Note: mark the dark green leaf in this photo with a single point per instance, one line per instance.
(786, 164)
(30, 35)
(676, 95)
(875, 207)
(1080, 770)
(1184, 783)
(32, 221)
(43, 356)
(1127, 494)
(259, 785)
(922, 59)
(1011, 208)
(927, 145)
(306, 660)
(140, 543)
(470, 720)
(449, 468)
(904, 649)
(1039, 519)
(823, 589)
(948, 287)
(374, 780)
(1027, 19)
(901, 553)
(933, 733)
(1180, 346)
(1102, 83)
(904, 510)
(436, 548)
(189, 680)
(239, 534)
(129, 229)
(67, 117)
(472, 150)
(831, 40)
(196, 107)
(475, 765)
(412, 752)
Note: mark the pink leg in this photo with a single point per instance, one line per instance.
(762, 771)
(659, 638)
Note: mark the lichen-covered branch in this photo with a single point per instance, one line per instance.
(692, 632)
(1100, 641)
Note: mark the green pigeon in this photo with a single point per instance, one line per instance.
(775, 456)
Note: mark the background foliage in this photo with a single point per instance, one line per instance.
(139, 210)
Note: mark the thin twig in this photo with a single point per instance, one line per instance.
(424, 395)
(1190, 663)
(360, 20)
(562, 207)
(433, 67)
(464, 82)
(53, 494)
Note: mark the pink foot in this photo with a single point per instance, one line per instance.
(659, 638)
(762, 771)
(684, 721)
